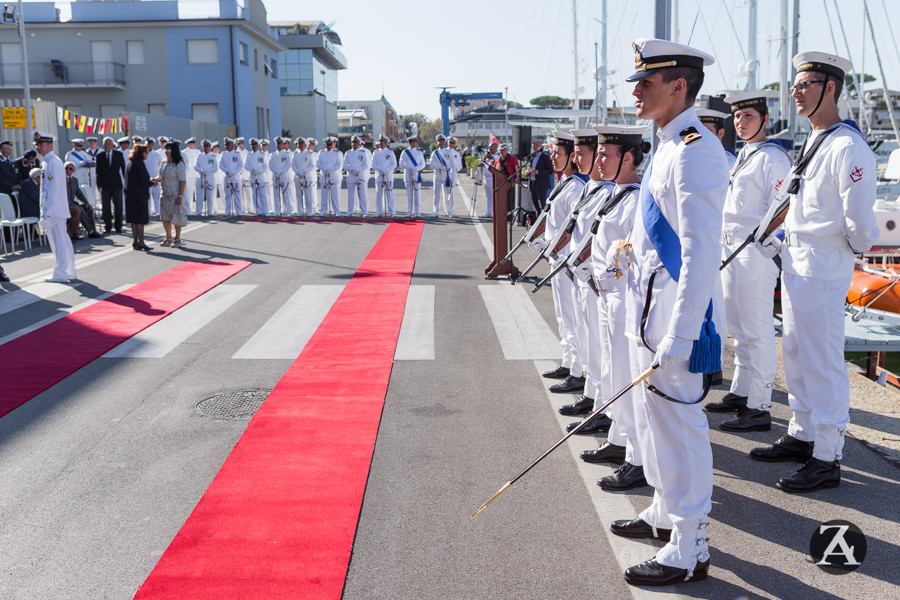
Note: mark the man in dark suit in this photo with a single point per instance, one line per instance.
(77, 198)
(110, 178)
(9, 179)
(30, 195)
(541, 175)
(25, 164)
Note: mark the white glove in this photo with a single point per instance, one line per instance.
(557, 262)
(584, 272)
(672, 351)
(769, 247)
(538, 244)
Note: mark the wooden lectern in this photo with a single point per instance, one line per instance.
(501, 210)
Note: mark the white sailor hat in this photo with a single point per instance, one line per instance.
(311, 141)
(238, 140)
(137, 139)
(215, 144)
(330, 138)
(43, 136)
(383, 138)
(175, 141)
(451, 139)
(123, 140)
(652, 54)
(229, 140)
(107, 138)
(254, 140)
(584, 136)
(716, 117)
(205, 142)
(820, 62)
(440, 136)
(78, 141)
(191, 140)
(357, 138)
(566, 140)
(91, 138)
(163, 139)
(621, 135)
(263, 142)
(754, 99)
(412, 137)
(300, 140)
(150, 140)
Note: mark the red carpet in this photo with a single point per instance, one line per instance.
(278, 520)
(330, 219)
(34, 362)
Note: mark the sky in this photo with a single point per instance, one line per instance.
(524, 48)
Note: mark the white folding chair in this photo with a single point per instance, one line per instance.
(8, 220)
(30, 222)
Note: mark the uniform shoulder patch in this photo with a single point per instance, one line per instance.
(689, 135)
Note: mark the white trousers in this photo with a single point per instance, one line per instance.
(749, 287)
(357, 189)
(281, 187)
(154, 199)
(219, 197)
(384, 185)
(488, 195)
(331, 183)
(674, 438)
(233, 187)
(813, 350)
(260, 201)
(270, 193)
(413, 189)
(190, 188)
(443, 192)
(305, 185)
(616, 373)
(247, 202)
(61, 246)
(564, 308)
(587, 336)
(206, 192)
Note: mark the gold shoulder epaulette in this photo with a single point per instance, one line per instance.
(689, 135)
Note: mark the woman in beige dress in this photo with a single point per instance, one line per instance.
(172, 177)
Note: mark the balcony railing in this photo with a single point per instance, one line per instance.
(57, 73)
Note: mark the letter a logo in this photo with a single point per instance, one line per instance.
(838, 547)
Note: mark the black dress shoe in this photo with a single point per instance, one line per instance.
(584, 406)
(3, 276)
(786, 448)
(651, 572)
(94, 234)
(607, 453)
(626, 477)
(599, 424)
(559, 372)
(639, 529)
(730, 402)
(748, 419)
(814, 475)
(569, 384)
(716, 378)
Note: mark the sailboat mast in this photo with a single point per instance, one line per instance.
(752, 58)
(576, 103)
(887, 96)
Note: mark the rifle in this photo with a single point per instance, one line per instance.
(561, 240)
(777, 218)
(535, 231)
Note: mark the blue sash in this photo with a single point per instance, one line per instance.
(444, 163)
(706, 354)
(412, 159)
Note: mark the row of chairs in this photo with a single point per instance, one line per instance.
(27, 227)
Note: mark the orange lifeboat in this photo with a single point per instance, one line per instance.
(875, 289)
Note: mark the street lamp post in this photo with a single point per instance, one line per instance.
(14, 15)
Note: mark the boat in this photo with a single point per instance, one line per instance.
(875, 282)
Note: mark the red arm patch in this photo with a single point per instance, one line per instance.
(856, 174)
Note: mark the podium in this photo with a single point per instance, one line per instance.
(501, 217)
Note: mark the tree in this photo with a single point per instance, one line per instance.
(550, 102)
(850, 81)
(427, 128)
(514, 104)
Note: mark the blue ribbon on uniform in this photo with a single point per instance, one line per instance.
(706, 354)
(412, 159)
(444, 163)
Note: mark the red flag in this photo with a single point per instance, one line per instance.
(494, 139)
(124, 124)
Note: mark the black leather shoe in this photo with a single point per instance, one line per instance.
(730, 402)
(639, 529)
(651, 572)
(814, 475)
(748, 419)
(599, 424)
(559, 372)
(569, 384)
(716, 378)
(626, 477)
(94, 234)
(584, 406)
(607, 453)
(786, 448)
(3, 276)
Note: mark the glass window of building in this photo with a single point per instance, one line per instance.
(134, 50)
(202, 52)
(244, 54)
(205, 112)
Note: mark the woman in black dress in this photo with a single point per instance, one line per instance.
(137, 195)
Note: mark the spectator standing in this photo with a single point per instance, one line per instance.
(137, 195)
(173, 178)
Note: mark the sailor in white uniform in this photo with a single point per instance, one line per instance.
(714, 121)
(218, 180)
(257, 167)
(831, 217)
(300, 163)
(84, 163)
(247, 206)
(153, 161)
(313, 175)
(356, 163)
(231, 164)
(679, 221)
(619, 153)
(92, 150)
(329, 162)
(412, 161)
(205, 166)
(749, 280)
(55, 209)
(280, 165)
(190, 155)
(489, 158)
(384, 161)
(444, 167)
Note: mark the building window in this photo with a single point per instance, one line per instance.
(255, 59)
(202, 52)
(205, 112)
(245, 55)
(156, 109)
(274, 69)
(134, 50)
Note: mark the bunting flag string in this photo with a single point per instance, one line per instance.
(85, 124)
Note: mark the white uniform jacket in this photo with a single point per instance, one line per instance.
(562, 204)
(617, 224)
(329, 160)
(231, 163)
(357, 162)
(206, 165)
(407, 163)
(384, 161)
(54, 198)
(441, 168)
(758, 175)
(256, 163)
(302, 162)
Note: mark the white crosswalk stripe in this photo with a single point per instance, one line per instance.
(33, 293)
(522, 331)
(165, 335)
(285, 334)
(416, 340)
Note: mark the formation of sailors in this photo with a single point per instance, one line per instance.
(641, 290)
(287, 182)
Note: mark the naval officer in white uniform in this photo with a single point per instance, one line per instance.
(831, 217)
(329, 162)
(384, 161)
(412, 161)
(55, 209)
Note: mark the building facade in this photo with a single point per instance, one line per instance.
(382, 117)
(115, 58)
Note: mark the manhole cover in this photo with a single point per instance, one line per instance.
(237, 406)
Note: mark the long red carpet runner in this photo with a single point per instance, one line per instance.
(34, 362)
(278, 520)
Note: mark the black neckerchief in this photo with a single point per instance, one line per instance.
(612, 203)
